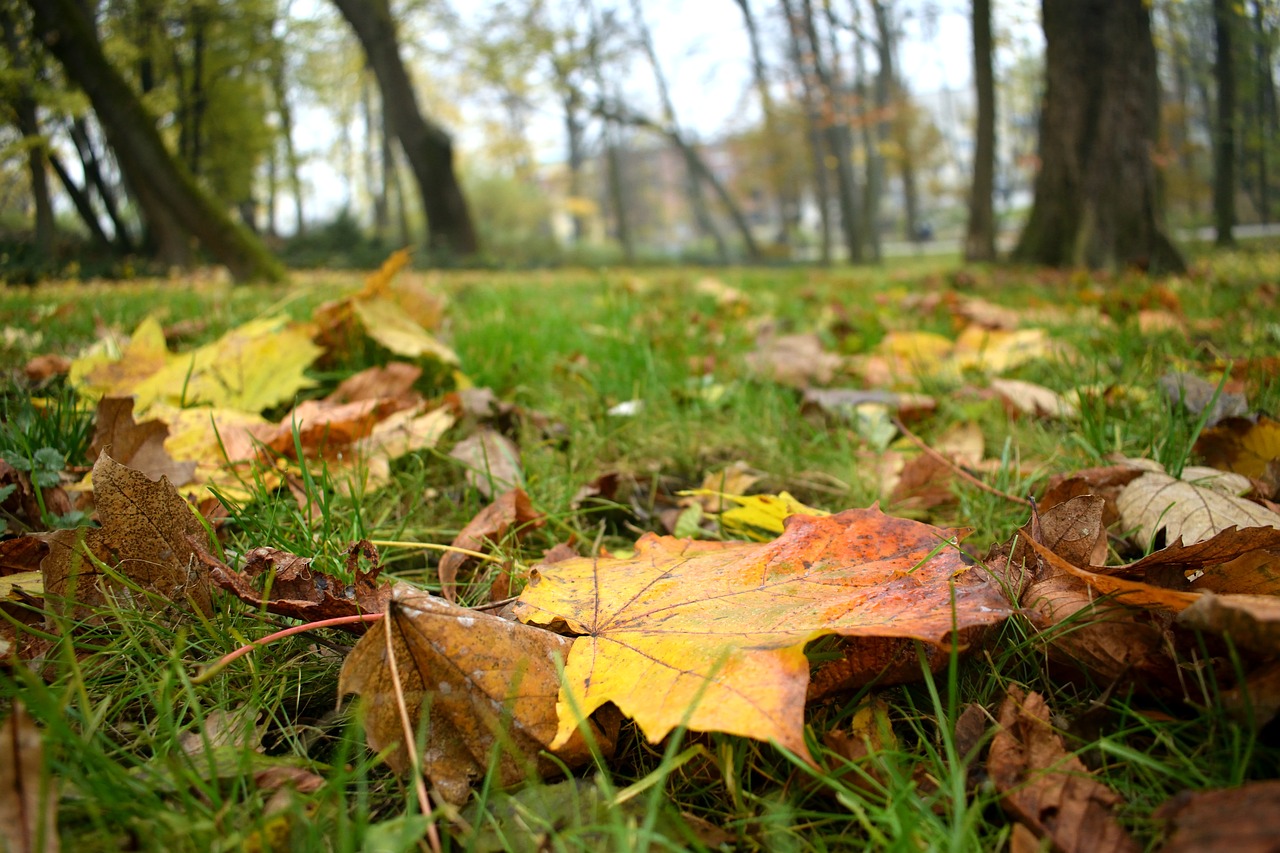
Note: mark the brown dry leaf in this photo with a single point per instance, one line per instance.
(711, 635)
(1029, 398)
(393, 380)
(138, 445)
(28, 798)
(480, 681)
(1239, 820)
(1132, 593)
(511, 510)
(21, 554)
(1047, 788)
(1156, 502)
(146, 535)
(492, 462)
(299, 592)
(1102, 637)
(43, 367)
(1252, 621)
(923, 483)
(794, 360)
(1234, 560)
(1105, 482)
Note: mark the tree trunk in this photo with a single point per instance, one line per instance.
(68, 33)
(24, 107)
(813, 117)
(1224, 130)
(91, 165)
(838, 140)
(1268, 118)
(1096, 195)
(292, 162)
(783, 193)
(427, 146)
(80, 198)
(980, 236)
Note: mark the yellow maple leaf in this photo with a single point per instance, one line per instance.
(757, 516)
(711, 635)
(110, 371)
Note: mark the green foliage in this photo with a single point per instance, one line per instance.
(513, 218)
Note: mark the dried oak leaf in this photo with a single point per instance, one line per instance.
(711, 635)
(145, 536)
(138, 445)
(480, 681)
(296, 590)
(28, 798)
(1047, 788)
(1242, 820)
(511, 510)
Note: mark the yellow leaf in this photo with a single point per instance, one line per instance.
(711, 635)
(388, 323)
(252, 367)
(106, 371)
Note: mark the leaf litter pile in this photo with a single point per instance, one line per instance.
(651, 612)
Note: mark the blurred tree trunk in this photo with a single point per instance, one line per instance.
(91, 165)
(426, 145)
(784, 193)
(1096, 195)
(873, 139)
(980, 236)
(293, 164)
(813, 116)
(836, 133)
(23, 104)
(155, 174)
(80, 198)
(1268, 116)
(1224, 128)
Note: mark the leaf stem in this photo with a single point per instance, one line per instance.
(432, 546)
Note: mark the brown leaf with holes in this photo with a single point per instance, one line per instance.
(711, 635)
(480, 682)
(1241, 820)
(145, 537)
(1048, 789)
(138, 445)
(512, 510)
(28, 797)
(298, 591)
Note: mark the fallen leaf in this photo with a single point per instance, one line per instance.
(478, 682)
(1156, 502)
(711, 635)
(1245, 447)
(388, 381)
(842, 403)
(761, 516)
(28, 797)
(402, 433)
(43, 367)
(145, 536)
(1196, 394)
(1251, 621)
(296, 590)
(511, 510)
(138, 445)
(794, 360)
(492, 462)
(720, 487)
(1242, 820)
(1032, 399)
(1047, 788)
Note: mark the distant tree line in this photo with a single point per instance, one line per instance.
(172, 128)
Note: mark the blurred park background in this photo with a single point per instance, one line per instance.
(153, 135)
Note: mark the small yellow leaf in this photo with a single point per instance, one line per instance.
(758, 516)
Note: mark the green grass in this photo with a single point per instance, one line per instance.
(116, 700)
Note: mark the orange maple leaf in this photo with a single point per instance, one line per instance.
(711, 635)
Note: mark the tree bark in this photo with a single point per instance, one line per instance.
(1224, 129)
(980, 236)
(80, 198)
(1096, 195)
(91, 164)
(838, 139)
(813, 116)
(24, 107)
(426, 145)
(68, 34)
